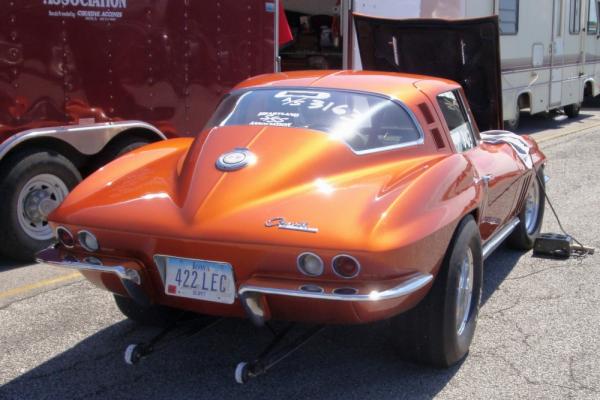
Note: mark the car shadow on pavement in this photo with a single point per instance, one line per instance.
(341, 362)
(497, 267)
(7, 265)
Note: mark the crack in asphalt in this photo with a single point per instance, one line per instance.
(576, 381)
(550, 268)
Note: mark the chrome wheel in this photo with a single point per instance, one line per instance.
(532, 207)
(38, 198)
(464, 294)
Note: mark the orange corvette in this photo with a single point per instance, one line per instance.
(322, 197)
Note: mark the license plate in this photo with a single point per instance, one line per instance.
(200, 280)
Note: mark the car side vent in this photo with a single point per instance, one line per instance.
(437, 137)
(426, 113)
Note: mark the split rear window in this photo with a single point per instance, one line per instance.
(363, 121)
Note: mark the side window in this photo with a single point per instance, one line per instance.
(574, 17)
(592, 23)
(509, 17)
(458, 123)
(558, 18)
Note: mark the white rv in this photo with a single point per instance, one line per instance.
(549, 48)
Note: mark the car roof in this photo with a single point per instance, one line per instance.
(397, 85)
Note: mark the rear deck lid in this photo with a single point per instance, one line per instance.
(466, 51)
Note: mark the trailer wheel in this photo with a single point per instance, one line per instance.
(572, 110)
(37, 181)
(119, 147)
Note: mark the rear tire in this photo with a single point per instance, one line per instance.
(572, 110)
(154, 315)
(438, 331)
(35, 182)
(531, 216)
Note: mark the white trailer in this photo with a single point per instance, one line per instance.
(550, 49)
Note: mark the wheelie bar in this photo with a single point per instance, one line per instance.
(136, 351)
(271, 356)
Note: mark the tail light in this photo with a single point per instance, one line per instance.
(65, 237)
(345, 266)
(88, 241)
(310, 264)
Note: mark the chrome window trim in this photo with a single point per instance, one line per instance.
(466, 114)
(411, 114)
(352, 258)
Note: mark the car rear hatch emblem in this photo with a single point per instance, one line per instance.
(235, 159)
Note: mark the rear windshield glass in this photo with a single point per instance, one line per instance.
(365, 122)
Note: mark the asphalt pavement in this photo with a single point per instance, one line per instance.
(537, 335)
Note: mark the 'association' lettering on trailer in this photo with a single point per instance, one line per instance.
(88, 3)
(89, 10)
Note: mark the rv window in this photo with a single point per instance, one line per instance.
(558, 18)
(509, 17)
(457, 120)
(592, 23)
(575, 17)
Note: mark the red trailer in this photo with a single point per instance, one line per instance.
(82, 81)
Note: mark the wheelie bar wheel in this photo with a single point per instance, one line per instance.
(134, 353)
(242, 373)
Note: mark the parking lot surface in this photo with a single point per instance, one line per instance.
(537, 335)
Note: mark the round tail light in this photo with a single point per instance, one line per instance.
(310, 264)
(345, 266)
(65, 237)
(88, 241)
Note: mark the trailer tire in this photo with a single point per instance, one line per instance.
(119, 147)
(572, 110)
(36, 182)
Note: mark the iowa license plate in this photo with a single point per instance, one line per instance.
(200, 280)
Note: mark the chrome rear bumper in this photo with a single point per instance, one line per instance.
(250, 293)
(405, 288)
(129, 277)
(121, 272)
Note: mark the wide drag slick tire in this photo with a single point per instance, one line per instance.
(531, 215)
(153, 315)
(35, 182)
(439, 330)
